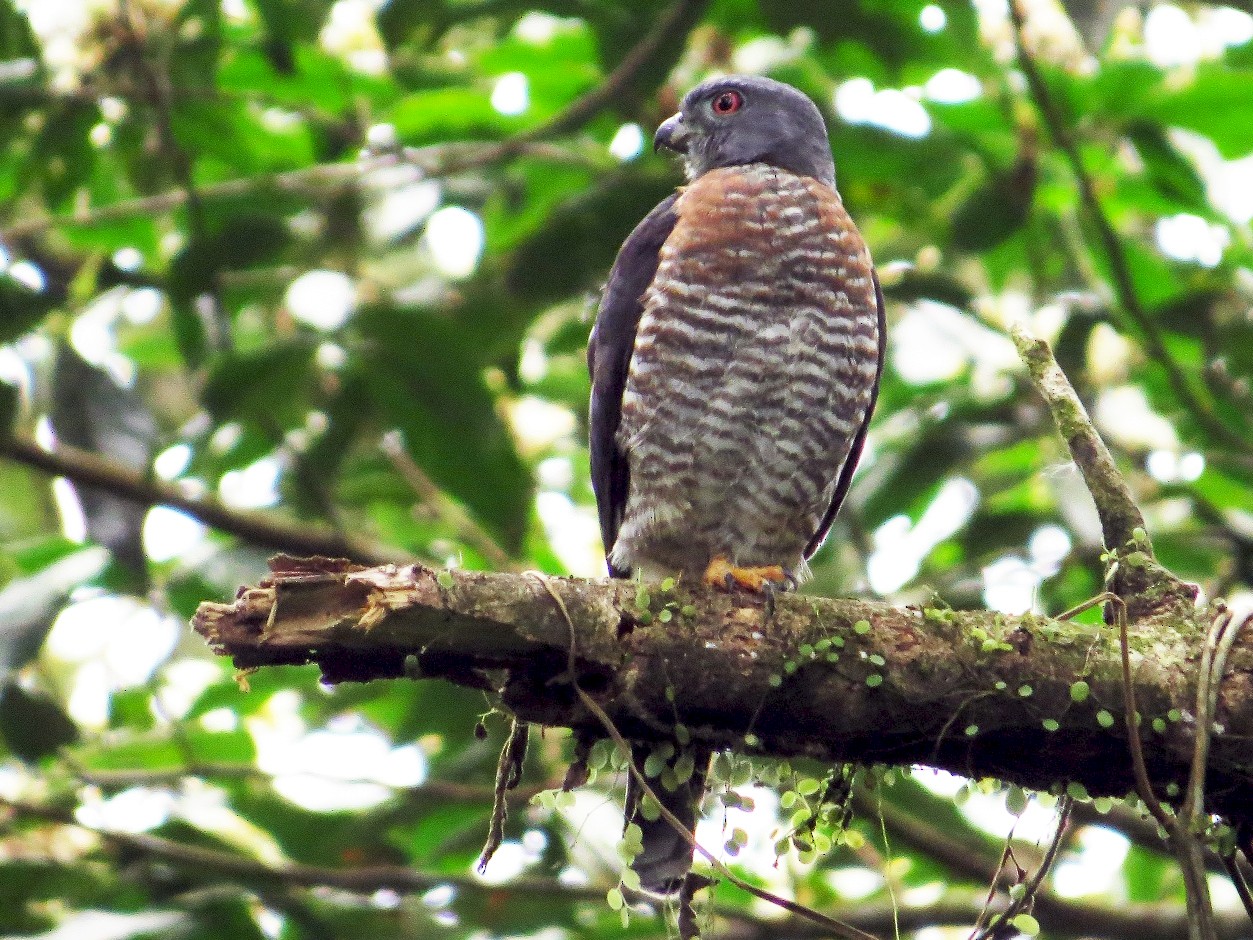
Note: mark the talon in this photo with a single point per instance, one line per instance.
(772, 590)
(722, 574)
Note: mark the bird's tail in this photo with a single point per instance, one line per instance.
(666, 856)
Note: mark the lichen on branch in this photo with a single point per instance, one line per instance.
(1144, 585)
(1028, 699)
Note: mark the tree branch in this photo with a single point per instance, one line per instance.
(1072, 919)
(675, 23)
(1120, 269)
(971, 692)
(1144, 585)
(362, 880)
(970, 858)
(432, 161)
(261, 529)
(1144, 832)
(435, 160)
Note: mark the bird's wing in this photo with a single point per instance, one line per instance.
(609, 357)
(859, 440)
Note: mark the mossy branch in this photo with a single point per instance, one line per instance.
(1139, 580)
(1028, 699)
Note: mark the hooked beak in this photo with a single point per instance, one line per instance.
(673, 135)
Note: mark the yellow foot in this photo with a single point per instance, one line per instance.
(722, 574)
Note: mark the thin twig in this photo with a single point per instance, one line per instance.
(508, 776)
(1222, 636)
(1115, 254)
(448, 790)
(1026, 900)
(1144, 786)
(993, 885)
(887, 870)
(1144, 584)
(971, 859)
(1121, 520)
(444, 506)
(1183, 844)
(1240, 883)
(1143, 832)
(1194, 802)
(964, 851)
(624, 749)
(611, 90)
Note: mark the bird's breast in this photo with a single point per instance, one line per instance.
(764, 267)
(755, 357)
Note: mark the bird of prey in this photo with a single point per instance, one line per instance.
(735, 362)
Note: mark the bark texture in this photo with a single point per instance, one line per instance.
(972, 692)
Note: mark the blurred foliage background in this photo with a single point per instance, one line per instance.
(318, 276)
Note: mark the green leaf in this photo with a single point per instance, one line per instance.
(402, 20)
(1016, 801)
(1215, 104)
(424, 382)
(241, 241)
(17, 39)
(62, 156)
(29, 605)
(911, 474)
(27, 882)
(228, 134)
(21, 308)
(301, 76)
(190, 333)
(526, 912)
(997, 209)
(32, 725)
(10, 404)
(575, 247)
(1026, 925)
(268, 386)
(429, 116)
(226, 917)
(1147, 873)
(287, 24)
(198, 44)
(161, 753)
(913, 284)
(1167, 169)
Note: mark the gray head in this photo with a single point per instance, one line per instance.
(742, 119)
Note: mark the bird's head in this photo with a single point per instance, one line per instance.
(739, 119)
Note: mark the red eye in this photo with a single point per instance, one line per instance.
(728, 102)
